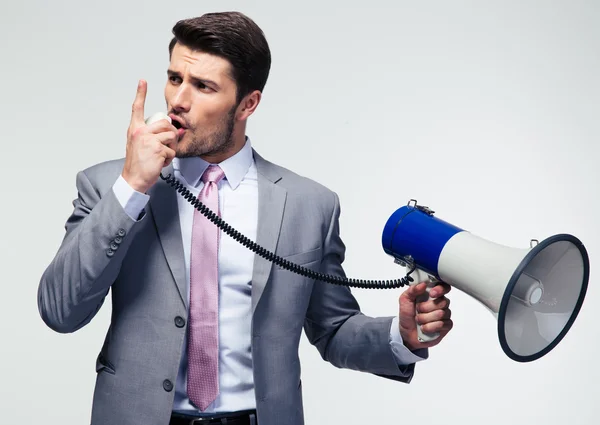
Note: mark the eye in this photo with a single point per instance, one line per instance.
(173, 79)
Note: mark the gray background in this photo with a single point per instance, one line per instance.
(485, 111)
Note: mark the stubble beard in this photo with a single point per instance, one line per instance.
(216, 143)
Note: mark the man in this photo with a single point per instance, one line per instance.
(201, 327)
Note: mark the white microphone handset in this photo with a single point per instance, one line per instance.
(157, 117)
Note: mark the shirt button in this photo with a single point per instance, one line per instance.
(179, 322)
(167, 385)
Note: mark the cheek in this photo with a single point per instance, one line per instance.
(211, 113)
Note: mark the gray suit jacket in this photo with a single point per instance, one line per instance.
(142, 262)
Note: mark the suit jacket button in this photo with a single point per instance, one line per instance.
(179, 322)
(110, 252)
(118, 239)
(114, 246)
(121, 232)
(167, 385)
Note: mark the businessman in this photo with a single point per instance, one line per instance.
(203, 330)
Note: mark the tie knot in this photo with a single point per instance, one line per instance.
(213, 173)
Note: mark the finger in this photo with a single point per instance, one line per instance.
(169, 155)
(173, 144)
(167, 138)
(440, 289)
(137, 109)
(414, 291)
(433, 304)
(442, 326)
(423, 318)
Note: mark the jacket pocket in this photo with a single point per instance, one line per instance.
(104, 365)
(304, 257)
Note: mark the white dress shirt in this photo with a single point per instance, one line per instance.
(238, 204)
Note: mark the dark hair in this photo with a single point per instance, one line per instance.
(234, 37)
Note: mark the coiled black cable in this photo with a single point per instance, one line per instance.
(295, 268)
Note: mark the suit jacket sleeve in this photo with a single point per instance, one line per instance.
(344, 336)
(98, 233)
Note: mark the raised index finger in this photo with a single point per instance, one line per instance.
(137, 110)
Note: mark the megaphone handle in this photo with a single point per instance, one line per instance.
(419, 276)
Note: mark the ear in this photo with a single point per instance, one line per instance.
(248, 105)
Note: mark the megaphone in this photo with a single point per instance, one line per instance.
(534, 293)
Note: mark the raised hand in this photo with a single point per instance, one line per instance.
(149, 147)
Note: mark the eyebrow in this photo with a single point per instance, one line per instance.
(195, 79)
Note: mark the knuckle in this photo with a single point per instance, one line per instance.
(135, 132)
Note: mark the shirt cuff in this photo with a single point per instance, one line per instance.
(132, 201)
(403, 355)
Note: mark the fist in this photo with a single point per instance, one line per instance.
(432, 315)
(149, 147)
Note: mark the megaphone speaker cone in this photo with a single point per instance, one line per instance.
(543, 297)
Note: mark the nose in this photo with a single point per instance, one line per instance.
(181, 101)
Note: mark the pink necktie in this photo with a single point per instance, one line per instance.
(203, 338)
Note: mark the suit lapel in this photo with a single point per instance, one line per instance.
(271, 204)
(165, 211)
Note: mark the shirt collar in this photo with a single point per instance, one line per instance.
(234, 167)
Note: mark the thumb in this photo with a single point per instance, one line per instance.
(414, 291)
(137, 110)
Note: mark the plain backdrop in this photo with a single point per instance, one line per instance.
(485, 111)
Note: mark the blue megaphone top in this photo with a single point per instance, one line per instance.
(414, 231)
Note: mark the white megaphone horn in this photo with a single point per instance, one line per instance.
(534, 293)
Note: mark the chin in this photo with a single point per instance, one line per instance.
(188, 151)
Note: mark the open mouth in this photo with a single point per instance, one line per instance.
(180, 128)
(177, 122)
